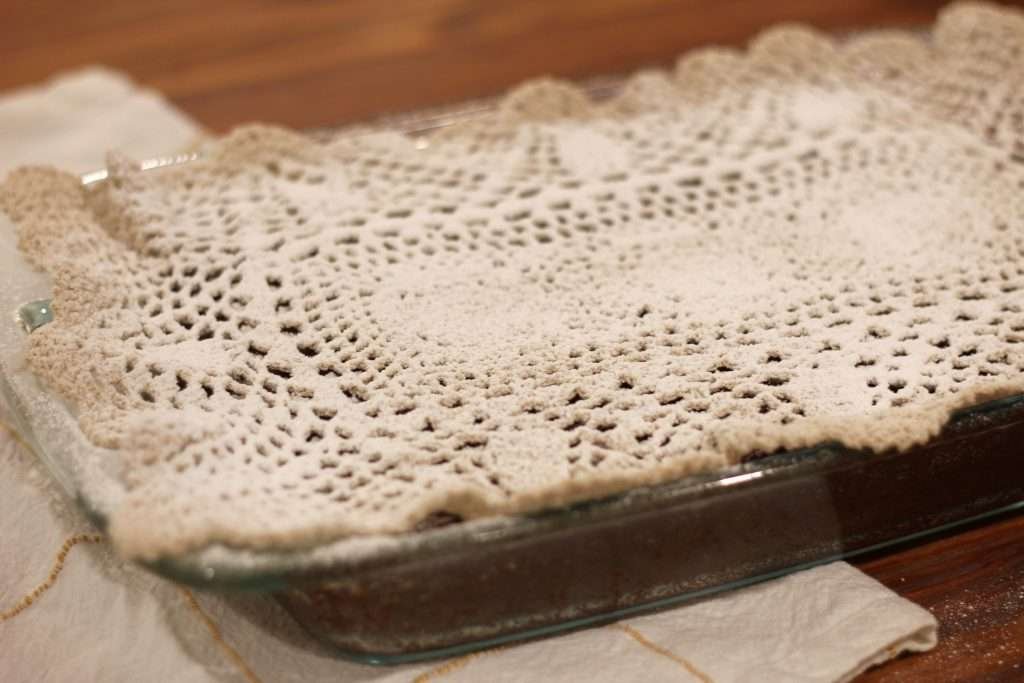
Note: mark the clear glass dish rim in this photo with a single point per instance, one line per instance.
(221, 566)
(281, 569)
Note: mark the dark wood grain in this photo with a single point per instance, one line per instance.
(973, 582)
(306, 63)
(309, 64)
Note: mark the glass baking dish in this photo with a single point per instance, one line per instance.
(459, 586)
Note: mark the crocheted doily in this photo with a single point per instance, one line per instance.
(291, 342)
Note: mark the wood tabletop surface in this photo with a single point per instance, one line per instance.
(308, 63)
(973, 582)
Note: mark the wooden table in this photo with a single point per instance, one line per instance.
(973, 582)
(311, 64)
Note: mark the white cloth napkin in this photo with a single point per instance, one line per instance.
(75, 119)
(102, 620)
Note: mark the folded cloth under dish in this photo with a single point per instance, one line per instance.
(824, 624)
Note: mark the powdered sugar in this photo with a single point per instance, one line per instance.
(290, 342)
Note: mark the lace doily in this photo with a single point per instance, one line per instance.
(290, 342)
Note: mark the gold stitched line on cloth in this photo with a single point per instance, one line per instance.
(58, 567)
(453, 665)
(653, 647)
(218, 638)
(15, 436)
(443, 669)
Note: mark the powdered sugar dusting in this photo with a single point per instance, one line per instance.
(292, 342)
